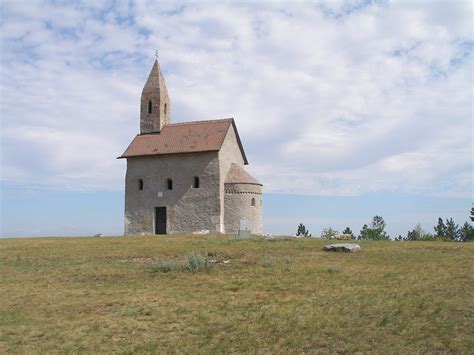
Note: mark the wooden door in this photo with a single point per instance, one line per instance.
(160, 220)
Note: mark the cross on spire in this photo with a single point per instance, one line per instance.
(156, 54)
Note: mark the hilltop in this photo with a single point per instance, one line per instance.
(279, 295)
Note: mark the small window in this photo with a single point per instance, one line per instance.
(166, 109)
(140, 184)
(149, 107)
(253, 202)
(196, 182)
(169, 184)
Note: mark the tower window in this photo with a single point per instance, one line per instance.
(166, 108)
(169, 184)
(252, 203)
(149, 107)
(140, 184)
(196, 182)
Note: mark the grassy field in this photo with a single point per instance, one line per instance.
(285, 295)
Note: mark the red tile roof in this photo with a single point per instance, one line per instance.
(187, 137)
(237, 175)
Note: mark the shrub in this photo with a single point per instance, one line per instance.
(268, 263)
(195, 261)
(329, 233)
(375, 231)
(165, 266)
(235, 238)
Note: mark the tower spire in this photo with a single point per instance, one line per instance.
(155, 103)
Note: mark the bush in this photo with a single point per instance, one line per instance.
(375, 231)
(195, 261)
(329, 233)
(165, 266)
(268, 263)
(235, 238)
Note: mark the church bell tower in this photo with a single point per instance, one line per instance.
(155, 103)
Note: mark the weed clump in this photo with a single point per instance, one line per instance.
(195, 261)
(268, 263)
(165, 266)
(236, 238)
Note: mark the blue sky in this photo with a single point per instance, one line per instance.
(346, 109)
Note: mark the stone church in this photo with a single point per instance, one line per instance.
(186, 177)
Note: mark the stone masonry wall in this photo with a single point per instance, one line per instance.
(238, 206)
(188, 209)
(156, 92)
(228, 155)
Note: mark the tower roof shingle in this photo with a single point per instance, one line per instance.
(237, 175)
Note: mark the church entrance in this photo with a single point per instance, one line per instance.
(160, 220)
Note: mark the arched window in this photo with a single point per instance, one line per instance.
(196, 182)
(166, 108)
(253, 202)
(169, 184)
(140, 184)
(149, 107)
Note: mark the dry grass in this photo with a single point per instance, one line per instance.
(104, 295)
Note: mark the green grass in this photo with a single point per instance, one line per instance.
(130, 294)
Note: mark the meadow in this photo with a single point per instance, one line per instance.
(278, 295)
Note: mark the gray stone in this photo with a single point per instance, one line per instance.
(344, 237)
(201, 232)
(347, 248)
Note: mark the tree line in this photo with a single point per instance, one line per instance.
(449, 231)
(443, 231)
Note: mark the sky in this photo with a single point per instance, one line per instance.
(346, 109)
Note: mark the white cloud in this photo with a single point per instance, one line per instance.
(330, 98)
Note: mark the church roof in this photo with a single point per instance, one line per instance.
(187, 137)
(237, 175)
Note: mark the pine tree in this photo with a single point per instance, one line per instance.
(375, 231)
(412, 236)
(466, 233)
(440, 229)
(349, 231)
(302, 231)
(364, 233)
(452, 230)
(418, 233)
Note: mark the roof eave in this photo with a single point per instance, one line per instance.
(244, 183)
(171, 153)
